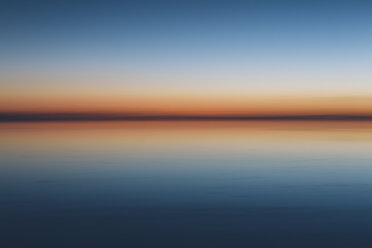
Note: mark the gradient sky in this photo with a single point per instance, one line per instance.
(186, 56)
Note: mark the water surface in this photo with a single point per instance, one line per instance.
(186, 184)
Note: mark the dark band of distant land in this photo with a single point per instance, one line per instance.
(55, 117)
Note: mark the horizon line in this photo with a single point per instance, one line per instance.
(70, 117)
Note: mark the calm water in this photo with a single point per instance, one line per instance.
(186, 184)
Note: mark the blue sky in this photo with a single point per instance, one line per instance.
(289, 46)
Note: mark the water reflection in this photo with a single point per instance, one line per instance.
(182, 184)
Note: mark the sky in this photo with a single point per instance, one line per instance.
(186, 57)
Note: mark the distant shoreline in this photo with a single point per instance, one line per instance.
(71, 117)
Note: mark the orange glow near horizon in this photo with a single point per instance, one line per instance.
(144, 104)
(118, 96)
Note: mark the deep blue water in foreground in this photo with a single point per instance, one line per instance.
(179, 186)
